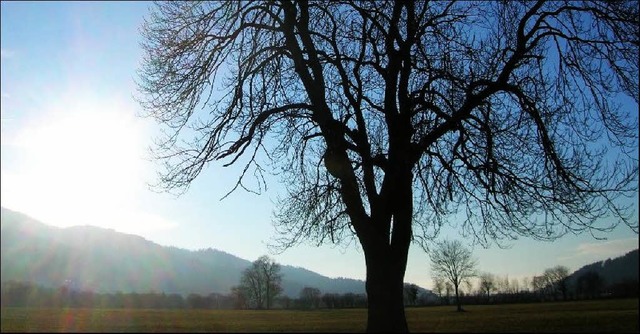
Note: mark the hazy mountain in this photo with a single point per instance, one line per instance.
(104, 260)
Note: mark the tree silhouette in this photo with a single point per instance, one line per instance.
(454, 263)
(438, 286)
(386, 118)
(331, 300)
(261, 282)
(487, 284)
(310, 297)
(410, 294)
(556, 280)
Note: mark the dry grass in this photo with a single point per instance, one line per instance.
(585, 316)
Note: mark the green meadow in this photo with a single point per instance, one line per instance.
(582, 316)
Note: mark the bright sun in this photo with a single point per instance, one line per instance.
(81, 166)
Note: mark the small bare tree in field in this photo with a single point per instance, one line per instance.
(454, 263)
(487, 284)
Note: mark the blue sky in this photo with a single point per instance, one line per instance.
(73, 152)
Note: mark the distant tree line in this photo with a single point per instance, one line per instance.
(494, 290)
(454, 271)
(554, 284)
(27, 294)
(260, 288)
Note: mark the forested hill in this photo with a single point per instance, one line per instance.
(613, 271)
(104, 260)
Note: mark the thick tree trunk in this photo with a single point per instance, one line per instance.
(385, 296)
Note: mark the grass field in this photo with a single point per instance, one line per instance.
(584, 316)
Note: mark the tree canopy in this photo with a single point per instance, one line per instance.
(471, 84)
(261, 282)
(386, 119)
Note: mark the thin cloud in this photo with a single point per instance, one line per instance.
(603, 250)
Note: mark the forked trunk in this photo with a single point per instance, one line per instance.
(386, 246)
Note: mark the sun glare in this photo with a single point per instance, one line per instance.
(82, 166)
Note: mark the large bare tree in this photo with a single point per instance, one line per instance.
(386, 118)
